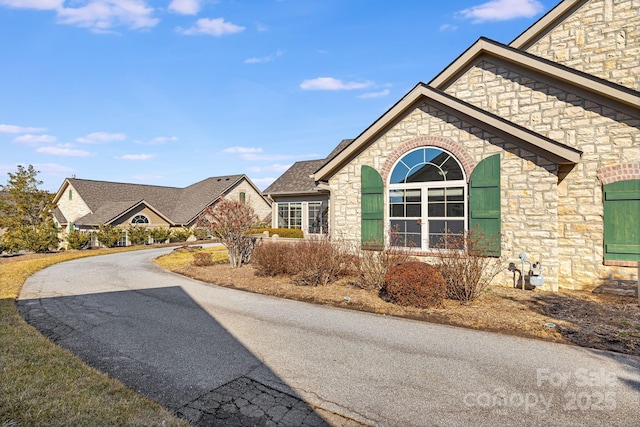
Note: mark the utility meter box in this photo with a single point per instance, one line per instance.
(535, 275)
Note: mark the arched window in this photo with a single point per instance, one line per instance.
(140, 219)
(427, 199)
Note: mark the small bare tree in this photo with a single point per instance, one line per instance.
(229, 221)
(464, 263)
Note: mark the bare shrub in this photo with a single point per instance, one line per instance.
(467, 270)
(319, 261)
(372, 266)
(202, 259)
(273, 259)
(415, 284)
(229, 221)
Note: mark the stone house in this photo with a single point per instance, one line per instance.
(83, 204)
(535, 144)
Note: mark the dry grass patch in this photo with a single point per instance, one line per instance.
(42, 384)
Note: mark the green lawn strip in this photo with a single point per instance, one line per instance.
(42, 384)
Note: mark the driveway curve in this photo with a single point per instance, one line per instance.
(219, 356)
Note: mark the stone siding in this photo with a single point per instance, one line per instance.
(528, 184)
(73, 208)
(608, 135)
(252, 198)
(601, 38)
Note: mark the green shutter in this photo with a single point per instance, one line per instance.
(484, 203)
(372, 208)
(622, 221)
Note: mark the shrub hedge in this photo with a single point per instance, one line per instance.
(294, 233)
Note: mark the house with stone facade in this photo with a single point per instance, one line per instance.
(535, 144)
(83, 204)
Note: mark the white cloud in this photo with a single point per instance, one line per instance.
(379, 94)
(136, 157)
(63, 151)
(102, 15)
(448, 27)
(101, 138)
(211, 27)
(502, 10)
(33, 4)
(269, 58)
(158, 140)
(276, 167)
(147, 177)
(329, 83)
(242, 150)
(54, 169)
(263, 183)
(185, 7)
(19, 129)
(30, 139)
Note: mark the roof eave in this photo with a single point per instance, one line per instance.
(536, 143)
(538, 65)
(550, 19)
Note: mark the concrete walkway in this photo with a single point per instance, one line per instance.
(218, 356)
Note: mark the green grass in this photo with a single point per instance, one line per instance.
(42, 384)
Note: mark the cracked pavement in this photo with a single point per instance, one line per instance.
(218, 356)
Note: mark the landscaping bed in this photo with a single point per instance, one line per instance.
(583, 318)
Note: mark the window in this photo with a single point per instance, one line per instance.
(427, 199)
(290, 215)
(317, 219)
(70, 194)
(140, 219)
(243, 197)
(622, 221)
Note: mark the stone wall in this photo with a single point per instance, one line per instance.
(252, 198)
(528, 184)
(601, 38)
(73, 208)
(606, 134)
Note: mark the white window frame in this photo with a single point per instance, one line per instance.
(424, 188)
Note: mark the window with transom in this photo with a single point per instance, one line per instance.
(427, 199)
(140, 219)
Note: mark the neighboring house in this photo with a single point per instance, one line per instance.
(298, 201)
(83, 204)
(535, 143)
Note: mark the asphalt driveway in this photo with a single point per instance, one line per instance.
(220, 356)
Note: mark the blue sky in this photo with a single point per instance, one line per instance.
(171, 92)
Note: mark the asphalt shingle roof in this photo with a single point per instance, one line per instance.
(107, 200)
(298, 178)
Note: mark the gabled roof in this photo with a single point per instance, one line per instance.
(298, 179)
(498, 126)
(535, 65)
(179, 206)
(546, 23)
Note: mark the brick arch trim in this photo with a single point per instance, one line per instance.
(429, 141)
(619, 172)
